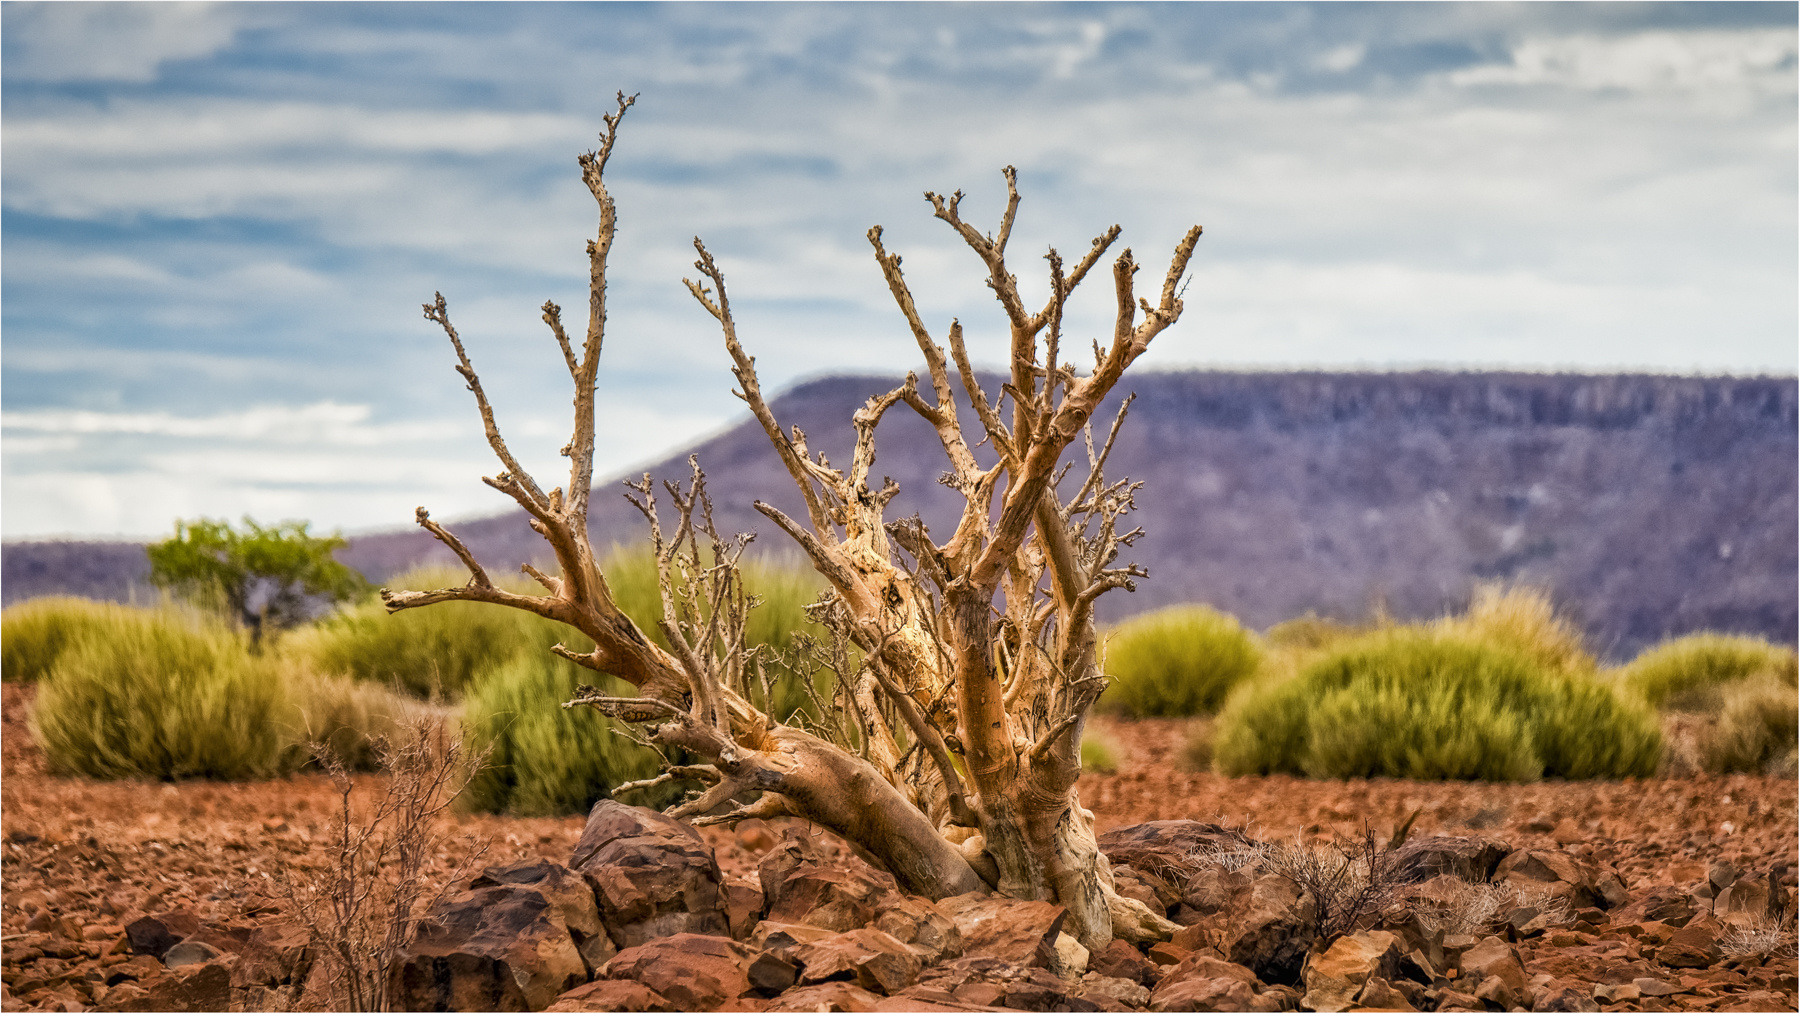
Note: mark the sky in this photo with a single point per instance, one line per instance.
(218, 222)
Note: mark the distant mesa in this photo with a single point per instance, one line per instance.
(1647, 505)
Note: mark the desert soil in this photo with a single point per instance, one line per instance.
(88, 857)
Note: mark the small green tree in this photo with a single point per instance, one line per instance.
(267, 576)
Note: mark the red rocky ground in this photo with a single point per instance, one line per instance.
(83, 859)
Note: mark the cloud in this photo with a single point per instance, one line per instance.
(225, 263)
(112, 41)
(1756, 59)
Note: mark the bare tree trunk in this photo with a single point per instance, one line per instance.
(975, 658)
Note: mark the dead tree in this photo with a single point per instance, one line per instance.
(966, 666)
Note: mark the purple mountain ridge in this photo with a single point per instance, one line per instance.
(1648, 506)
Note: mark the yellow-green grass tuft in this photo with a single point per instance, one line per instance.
(1692, 673)
(1417, 703)
(34, 633)
(161, 695)
(1756, 730)
(1179, 661)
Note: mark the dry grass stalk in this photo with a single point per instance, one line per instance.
(363, 905)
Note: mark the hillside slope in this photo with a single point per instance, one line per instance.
(1648, 505)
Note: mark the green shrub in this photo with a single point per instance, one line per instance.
(345, 717)
(1691, 673)
(1413, 703)
(1757, 727)
(432, 651)
(1525, 621)
(34, 634)
(1178, 661)
(1099, 753)
(546, 760)
(162, 695)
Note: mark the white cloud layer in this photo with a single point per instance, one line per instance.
(221, 220)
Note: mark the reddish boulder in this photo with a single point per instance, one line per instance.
(501, 947)
(1471, 858)
(1120, 960)
(871, 958)
(570, 899)
(699, 972)
(1019, 932)
(991, 982)
(1335, 977)
(922, 926)
(611, 995)
(827, 996)
(1495, 959)
(652, 875)
(155, 934)
(1580, 882)
(1695, 945)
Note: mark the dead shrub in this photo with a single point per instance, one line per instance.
(363, 904)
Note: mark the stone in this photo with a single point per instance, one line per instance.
(693, 971)
(651, 875)
(1334, 978)
(500, 947)
(190, 952)
(1744, 904)
(1695, 945)
(1111, 992)
(1654, 987)
(190, 988)
(1071, 957)
(1203, 995)
(1471, 858)
(1380, 994)
(1011, 930)
(921, 925)
(781, 938)
(1267, 928)
(827, 996)
(1167, 953)
(1120, 960)
(1615, 992)
(1566, 999)
(838, 896)
(570, 898)
(1455, 999)
(875, 960)
(155, 934)
(1494, 958)
(743, 906)
(1660, 904)
(992, 982)
(611, 995)
(1580, 882)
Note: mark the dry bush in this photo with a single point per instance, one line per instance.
(1475, 909)
(363, 904)
(1765, 938)
(1351, 880)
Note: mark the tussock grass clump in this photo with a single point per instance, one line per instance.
(1179, 661)
(34, 634)
(544, 760)
(1692, 673)
(1417, 703)
(434, 652)
(1756, 730)
(1525, 621)
(347, 719)
(161, 695)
